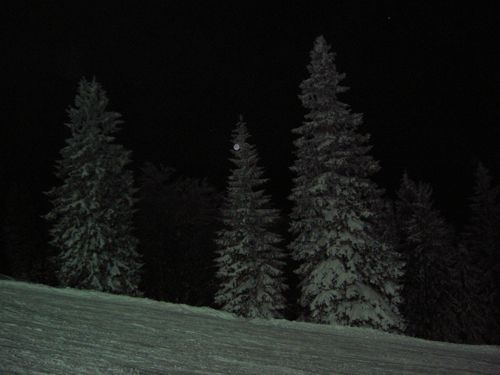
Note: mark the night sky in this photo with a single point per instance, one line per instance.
(425, 76)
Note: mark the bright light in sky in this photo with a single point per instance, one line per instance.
(236, 147)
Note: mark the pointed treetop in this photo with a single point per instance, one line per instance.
(405, 180)
(321, 88)
(239, 135)
(320, 45)
(321, 55)
(89, 110)
(482, 173)
(483, 185)
(89, 89)
(240, 132)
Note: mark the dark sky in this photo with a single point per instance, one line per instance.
(425, 76)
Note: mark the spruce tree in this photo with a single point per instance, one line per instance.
(249, 262)
(349, 273)
(481, 238)
(92, 209)
(426, 242)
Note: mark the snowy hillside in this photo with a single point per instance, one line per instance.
(46, 330)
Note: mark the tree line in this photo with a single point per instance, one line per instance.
(351, 255)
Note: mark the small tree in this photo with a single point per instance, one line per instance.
(93, 208)
(250, 263)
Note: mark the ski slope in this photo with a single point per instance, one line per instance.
(46, 330)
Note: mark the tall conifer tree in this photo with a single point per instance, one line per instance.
(93, 208)
(349, 275)
(249, 261)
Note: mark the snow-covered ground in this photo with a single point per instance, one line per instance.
(47, 330)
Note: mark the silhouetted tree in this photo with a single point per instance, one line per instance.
(472, 318)
(426, 242)
(154, 230)
(481, 238)
(177, 221)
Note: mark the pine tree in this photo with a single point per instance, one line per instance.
(430, 304)
(249, 263)
(93, 208)
(481, 237)
(349, 274)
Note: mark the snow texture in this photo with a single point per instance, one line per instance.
(46, 330)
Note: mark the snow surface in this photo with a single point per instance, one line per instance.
(46, 330)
